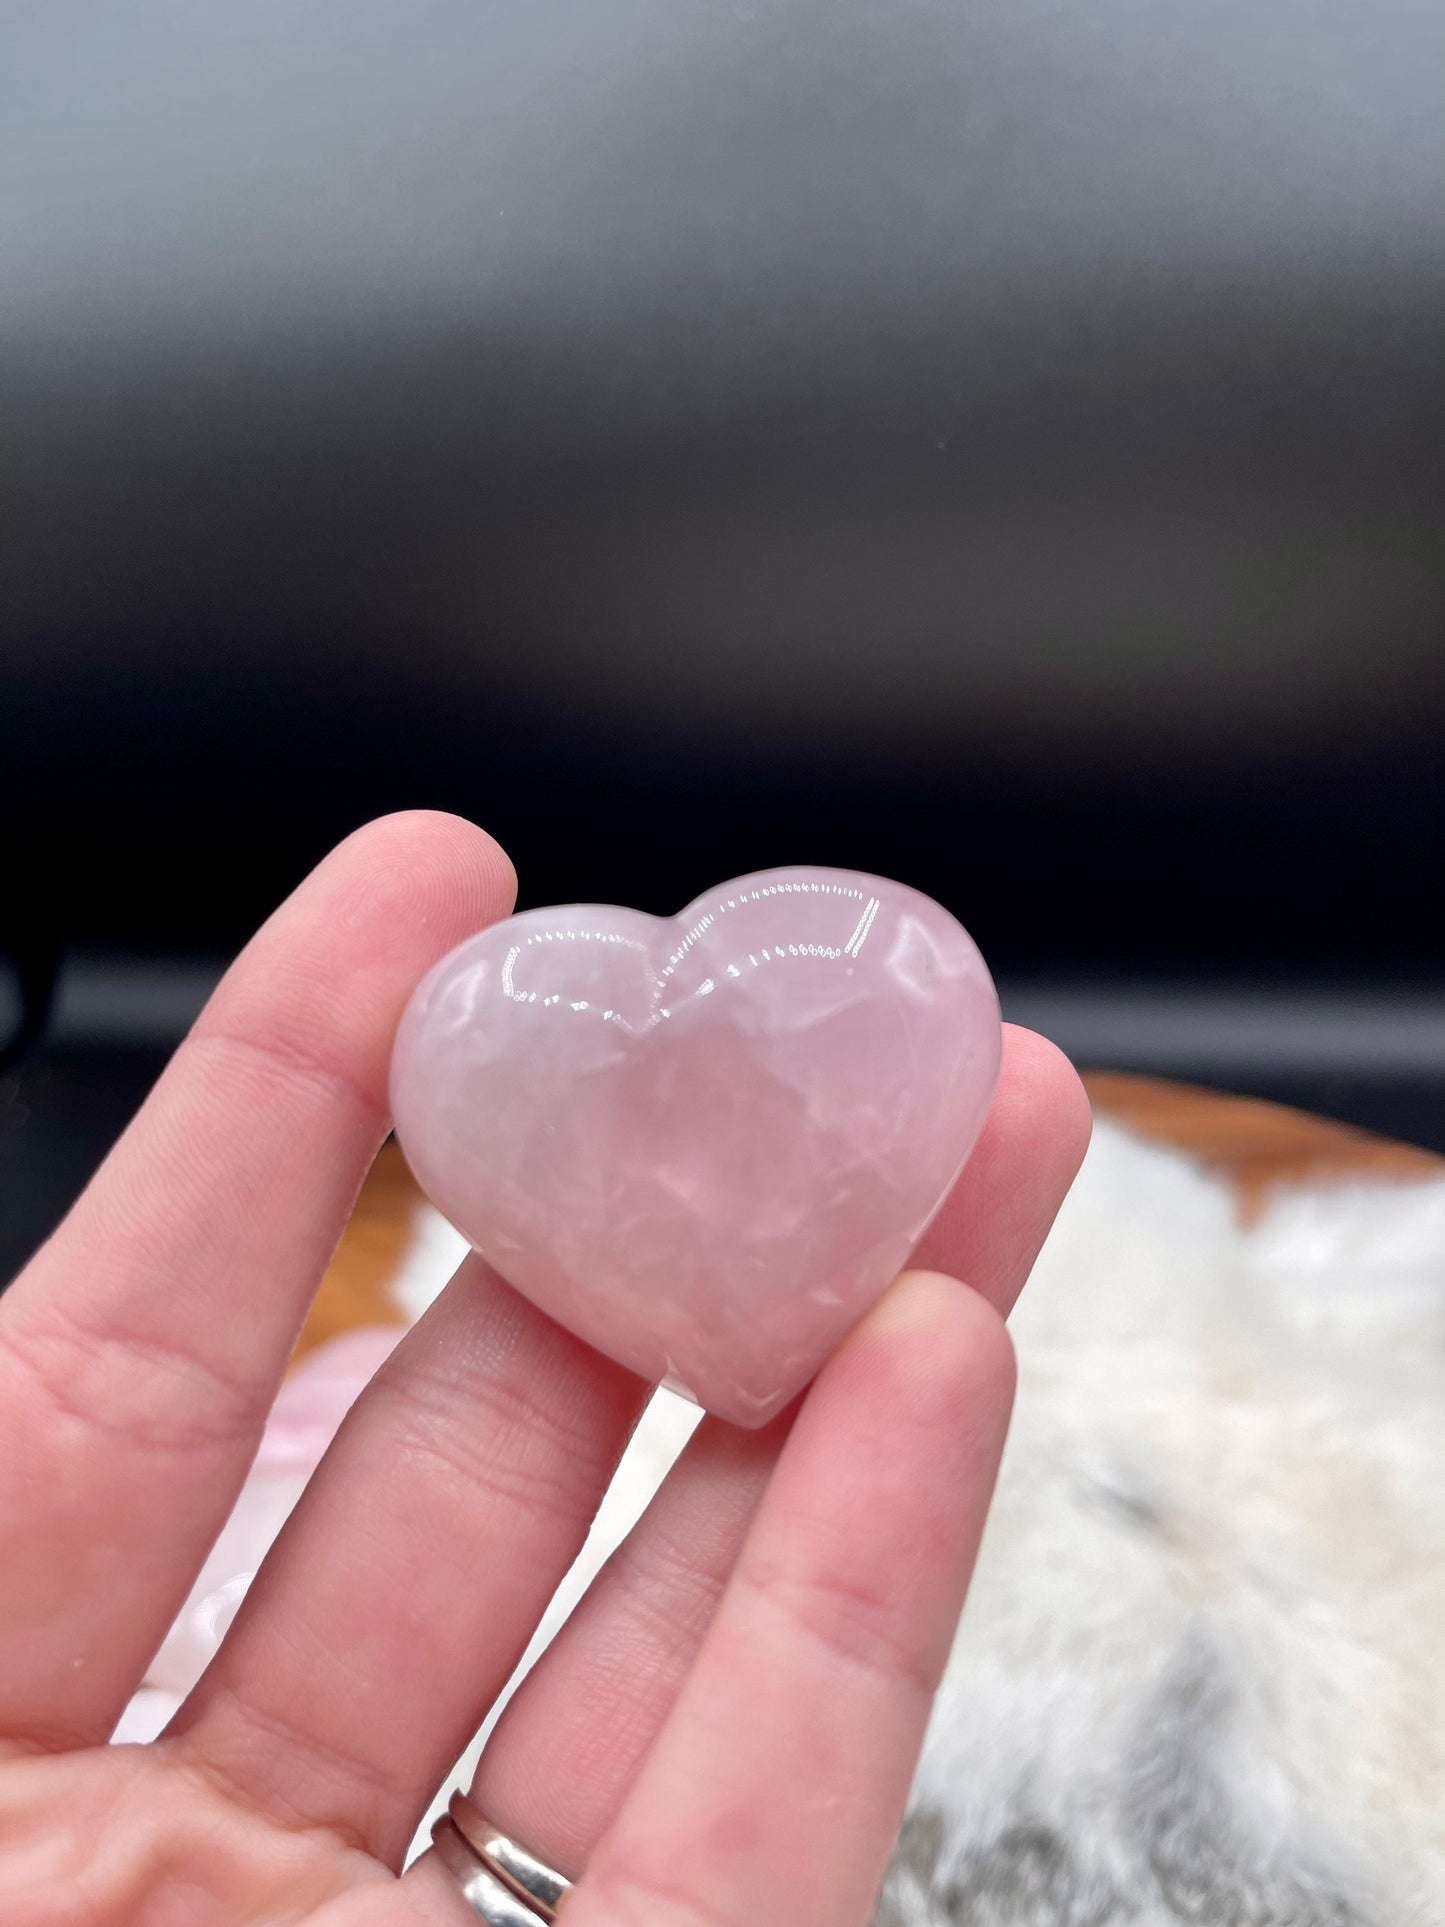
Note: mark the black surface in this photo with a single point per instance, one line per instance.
(179, 815)
(999, 445)
(59, 1115)
(1002, 445)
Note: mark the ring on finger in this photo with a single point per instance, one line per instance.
(532, 1881)
(487, 1896)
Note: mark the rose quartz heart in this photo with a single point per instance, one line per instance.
(705, 1144)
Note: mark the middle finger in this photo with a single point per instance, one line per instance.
(406, 1585)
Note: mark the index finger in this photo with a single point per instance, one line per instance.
(141, 1348)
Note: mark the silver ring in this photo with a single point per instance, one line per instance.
(537, 1885)
(487, 1896)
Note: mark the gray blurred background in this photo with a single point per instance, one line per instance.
(997, 444)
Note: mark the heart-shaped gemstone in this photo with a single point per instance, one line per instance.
(705, 1144)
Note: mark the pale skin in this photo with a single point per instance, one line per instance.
(724, 1733)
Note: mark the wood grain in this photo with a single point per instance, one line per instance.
(357, 1287)
(1257, 1146)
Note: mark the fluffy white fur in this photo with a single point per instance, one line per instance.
(1202, 1670)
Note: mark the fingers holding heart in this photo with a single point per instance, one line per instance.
(406, 1585)
(572, 1741)
(774, 1782)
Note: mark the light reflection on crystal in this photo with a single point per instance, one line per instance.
(721, 1194)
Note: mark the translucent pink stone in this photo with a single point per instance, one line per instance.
(705, 1144)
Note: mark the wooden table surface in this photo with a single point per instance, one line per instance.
(1257, 1146)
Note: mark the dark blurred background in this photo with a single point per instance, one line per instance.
(1001, 445)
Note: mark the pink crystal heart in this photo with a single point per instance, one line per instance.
(705, 1144)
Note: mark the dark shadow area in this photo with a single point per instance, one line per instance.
(998, 447)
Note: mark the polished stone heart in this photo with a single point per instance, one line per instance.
(705, 1144)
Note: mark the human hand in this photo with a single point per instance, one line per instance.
(725, 1730)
